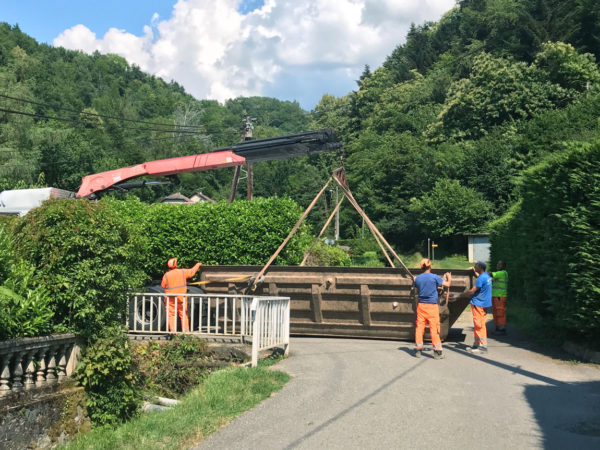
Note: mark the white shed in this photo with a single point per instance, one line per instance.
(479, 247)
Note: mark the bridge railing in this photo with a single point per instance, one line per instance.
(36, 362)
(264, 321)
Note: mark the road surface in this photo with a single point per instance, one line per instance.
(362, 394)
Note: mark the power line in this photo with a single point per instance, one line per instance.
(98, 115)
(62, 119)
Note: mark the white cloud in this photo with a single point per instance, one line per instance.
(216, 52)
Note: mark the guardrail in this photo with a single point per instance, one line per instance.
(264, 321)
(28, 363)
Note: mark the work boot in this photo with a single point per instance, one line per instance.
(480, 350)
(500, 332)
(418, 353)
(437, 354)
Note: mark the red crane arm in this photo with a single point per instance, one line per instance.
(194, 163)
(281, 147)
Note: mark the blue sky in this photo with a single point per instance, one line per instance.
(219, 49)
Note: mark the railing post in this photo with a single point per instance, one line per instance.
(29, 370)
(254, 314)
(5, 374)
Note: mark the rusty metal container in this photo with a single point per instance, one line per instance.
(343, 301)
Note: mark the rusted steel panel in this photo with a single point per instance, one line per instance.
(343, 301)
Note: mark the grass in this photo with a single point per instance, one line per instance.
(223, 396)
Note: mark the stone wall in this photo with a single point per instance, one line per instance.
(42, 417)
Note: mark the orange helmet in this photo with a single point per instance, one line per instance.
(172, 263)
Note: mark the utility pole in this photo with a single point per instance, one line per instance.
(246, 136)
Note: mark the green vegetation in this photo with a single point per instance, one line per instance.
(216, 233)
(221, 397)
(551, 239)
(108, 374)
(171, 368)
(85, 257)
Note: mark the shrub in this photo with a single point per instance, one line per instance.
(86, 257)
(107, 373)
(327, 256)
(25, 308)
(551, 241)
(173, 367)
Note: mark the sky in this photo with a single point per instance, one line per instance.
(295, 50)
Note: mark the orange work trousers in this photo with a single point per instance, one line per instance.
(178, 304)
(428, 313)
(479, 325)
(499, 311)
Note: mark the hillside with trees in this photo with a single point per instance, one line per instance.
(436, 138)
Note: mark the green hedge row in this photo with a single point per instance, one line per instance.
(216, 233)
(551, 241)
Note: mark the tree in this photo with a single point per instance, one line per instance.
(451, 209)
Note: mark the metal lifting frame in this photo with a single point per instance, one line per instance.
(339, 177)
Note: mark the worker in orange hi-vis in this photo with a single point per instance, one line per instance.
(174, 282)
(427, 284)
(481, 298)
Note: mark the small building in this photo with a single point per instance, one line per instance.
(177, 198)
(478, 247)
(200, 197)
(180, 199)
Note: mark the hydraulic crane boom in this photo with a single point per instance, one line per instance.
(270, 149)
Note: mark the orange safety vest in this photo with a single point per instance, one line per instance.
(174, 282)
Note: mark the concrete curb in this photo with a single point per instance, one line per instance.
(582, 352)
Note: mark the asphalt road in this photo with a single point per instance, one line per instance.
(363, 394)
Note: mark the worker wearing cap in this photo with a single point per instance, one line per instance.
(428, 312)
(481, 298)
(499, 287)
(174, 282)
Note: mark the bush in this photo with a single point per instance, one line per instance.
(107, 373)
(327, 256)
(173, 367)
(25, 309)
(551, 241)
(86, 257)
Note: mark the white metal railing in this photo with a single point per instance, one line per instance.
(263, 320)
(270, 324)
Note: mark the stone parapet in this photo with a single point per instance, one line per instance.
(37, 362)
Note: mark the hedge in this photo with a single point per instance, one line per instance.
(216, 233)
(551, 241)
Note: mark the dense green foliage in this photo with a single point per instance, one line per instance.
(215, 233)
(74, 261)
(551, 240)
(327, 255)
(108, 374)
(172, 368)
(25, 306)
(86, 258)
